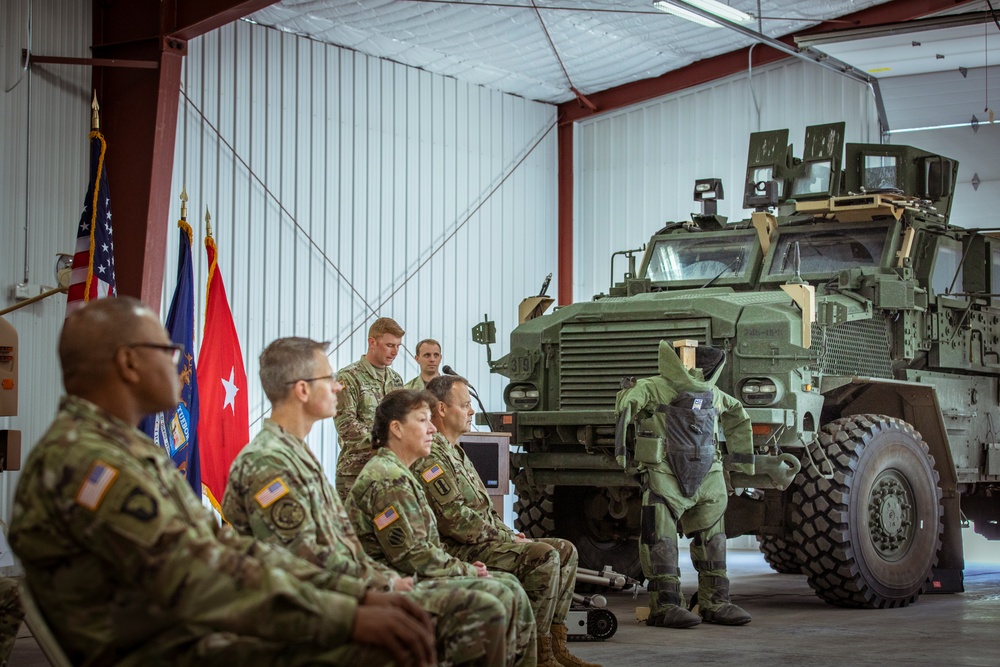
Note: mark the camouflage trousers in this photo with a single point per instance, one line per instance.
(545, 567)
(11, 615)
(522, 651)
(658, 543)
(473, 626)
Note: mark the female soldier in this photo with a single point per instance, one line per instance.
(396, 525)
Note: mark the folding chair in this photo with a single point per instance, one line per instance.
(35, 621)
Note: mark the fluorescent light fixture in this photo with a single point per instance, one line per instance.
(715, 7)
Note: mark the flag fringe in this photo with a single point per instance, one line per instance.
(93, 215)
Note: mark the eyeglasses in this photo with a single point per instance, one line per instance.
(331, 378)
(175, 349)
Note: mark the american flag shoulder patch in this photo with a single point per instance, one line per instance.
(386, 518)
(96, 485)
(432, 473)
(270, 493)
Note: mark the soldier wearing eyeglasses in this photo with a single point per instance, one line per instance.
(128, 567)
(278, 493)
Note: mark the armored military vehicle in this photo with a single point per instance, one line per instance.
(862, 331)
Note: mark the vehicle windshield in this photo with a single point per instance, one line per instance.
(827, 251)
(697, 257)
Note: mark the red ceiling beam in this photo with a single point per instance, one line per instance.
(694, 74)
(139, 120)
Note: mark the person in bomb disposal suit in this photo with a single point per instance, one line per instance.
(130, 569)
(683, 486)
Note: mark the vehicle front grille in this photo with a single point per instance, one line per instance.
(595, 356)
(859, 348)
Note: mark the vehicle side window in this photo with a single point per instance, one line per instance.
(948, 275)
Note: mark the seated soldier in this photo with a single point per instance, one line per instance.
(390, 513)
(127, 566)
(278, 493)
(471, 529)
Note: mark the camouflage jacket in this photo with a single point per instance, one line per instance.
(127, 565)
(356, 403)
(278, 493)
(416, 383)
(458, 497)
(395, 523)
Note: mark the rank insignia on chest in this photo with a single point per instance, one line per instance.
(432, 473)
(98, 481)
(270, 493)
(386, 518)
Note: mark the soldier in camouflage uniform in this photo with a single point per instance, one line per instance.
(306, 517)
(11, 615)
(366, 382)
(428, 356)
(130, 569)
(391, 516)
(471, 529)
(681, 490)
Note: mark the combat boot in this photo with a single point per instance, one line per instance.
(666, 606)
(718, 608)
(545, 656)
(561, 651)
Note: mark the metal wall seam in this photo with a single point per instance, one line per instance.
(377, 166)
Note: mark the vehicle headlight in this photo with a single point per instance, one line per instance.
(759, 391)
(521, 396)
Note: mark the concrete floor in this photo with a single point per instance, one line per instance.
(790, 627)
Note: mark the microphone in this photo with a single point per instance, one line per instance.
(448, 370)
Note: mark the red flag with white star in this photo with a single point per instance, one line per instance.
(224, 423)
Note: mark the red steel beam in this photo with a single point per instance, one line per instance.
(694, 74)
(139, 120)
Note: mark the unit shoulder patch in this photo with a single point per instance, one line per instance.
(270, 493)
(96, 485)
(288, 514)
(140, 505)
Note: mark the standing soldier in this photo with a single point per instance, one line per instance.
(305, 516)
(428, 356)
(128, 567)
(471, 529)
(682, 481)
(366, 382)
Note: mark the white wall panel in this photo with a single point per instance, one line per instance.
(44, 121)
(635, 168)
(380, 179)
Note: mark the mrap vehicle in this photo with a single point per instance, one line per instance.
(862, 332)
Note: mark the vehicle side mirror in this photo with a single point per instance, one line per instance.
(937, 177)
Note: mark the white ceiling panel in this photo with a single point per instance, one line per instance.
(502, 45)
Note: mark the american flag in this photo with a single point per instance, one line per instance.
(93, 274)
(270, 493)
(385, 518)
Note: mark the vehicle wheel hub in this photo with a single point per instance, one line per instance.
(890, 514)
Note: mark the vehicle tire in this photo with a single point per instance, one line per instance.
(780, 553)
(534, 509)
(871, 534)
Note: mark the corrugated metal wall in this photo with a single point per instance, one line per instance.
(43, 152)
(341, 186)
(635, 168)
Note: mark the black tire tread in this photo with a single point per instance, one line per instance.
(820, 512)
(780, 553)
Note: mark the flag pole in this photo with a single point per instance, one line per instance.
(184, 203)
(208, 223)
(95, 120)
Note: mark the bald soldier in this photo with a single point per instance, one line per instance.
(278, 493)
(128, 567)
(471, 530)
(366, 382)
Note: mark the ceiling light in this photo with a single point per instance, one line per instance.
(715, 7)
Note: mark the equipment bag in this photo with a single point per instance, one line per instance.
(689, 437)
